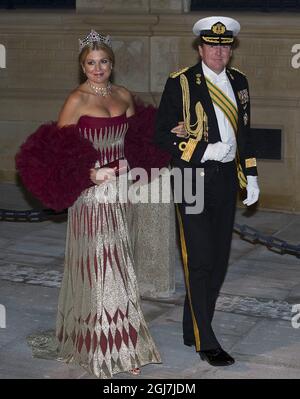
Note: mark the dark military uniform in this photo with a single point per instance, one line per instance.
(205, 237)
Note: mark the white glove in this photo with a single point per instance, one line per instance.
(216, 151)
(252, 190)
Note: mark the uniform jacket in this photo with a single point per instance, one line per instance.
(170, 112)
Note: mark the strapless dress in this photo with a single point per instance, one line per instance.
(100, 324)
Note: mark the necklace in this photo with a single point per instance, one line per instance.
(101, 91)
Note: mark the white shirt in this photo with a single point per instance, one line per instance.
(226, 131)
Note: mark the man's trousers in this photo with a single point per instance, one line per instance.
(205, 242)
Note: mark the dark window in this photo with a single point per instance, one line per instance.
(259, 5)
(17, 4)
(268, 143)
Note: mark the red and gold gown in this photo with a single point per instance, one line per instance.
(100, 324)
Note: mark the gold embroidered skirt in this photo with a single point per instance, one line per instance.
(100, 324)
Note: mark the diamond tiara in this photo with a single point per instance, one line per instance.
(93, 36)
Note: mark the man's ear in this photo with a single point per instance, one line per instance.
(200, 50)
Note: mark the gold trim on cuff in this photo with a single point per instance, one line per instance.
(189, 149)
(250, 162)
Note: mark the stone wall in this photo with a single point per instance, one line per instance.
(41, 68)
(149, 43)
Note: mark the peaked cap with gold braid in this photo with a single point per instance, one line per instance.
(217, 30)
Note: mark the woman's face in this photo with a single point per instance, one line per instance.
(97, 66)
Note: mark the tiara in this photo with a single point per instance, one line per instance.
(93, 36)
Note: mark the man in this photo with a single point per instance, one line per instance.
(204, 122)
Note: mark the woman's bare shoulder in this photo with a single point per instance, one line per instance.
(76, 97)
(123, 92)
(71, 109)
(126, 96)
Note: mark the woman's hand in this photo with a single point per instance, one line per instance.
(179, 130)
(101, 175)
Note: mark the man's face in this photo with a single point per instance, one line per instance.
(215, 57)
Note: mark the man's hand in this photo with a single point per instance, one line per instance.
(252, 191)
(100, 175)
(179, 130)
(216, 151)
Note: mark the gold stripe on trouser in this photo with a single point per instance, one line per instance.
(230, 111)
(186, 275)
(242, 178)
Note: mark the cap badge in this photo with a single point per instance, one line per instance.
(218, 28)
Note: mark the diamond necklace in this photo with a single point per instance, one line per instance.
(101, 91)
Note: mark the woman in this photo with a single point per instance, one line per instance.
(100, 324)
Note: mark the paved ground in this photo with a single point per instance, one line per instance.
(253, 317)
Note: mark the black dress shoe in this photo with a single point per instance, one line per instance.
(188, 343)
(216, 357)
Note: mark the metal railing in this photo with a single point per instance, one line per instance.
(275, 244)
(30, 215)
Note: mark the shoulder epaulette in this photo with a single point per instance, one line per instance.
(235, 69)
(177, 73)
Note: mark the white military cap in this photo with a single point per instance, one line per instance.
(217, 30)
